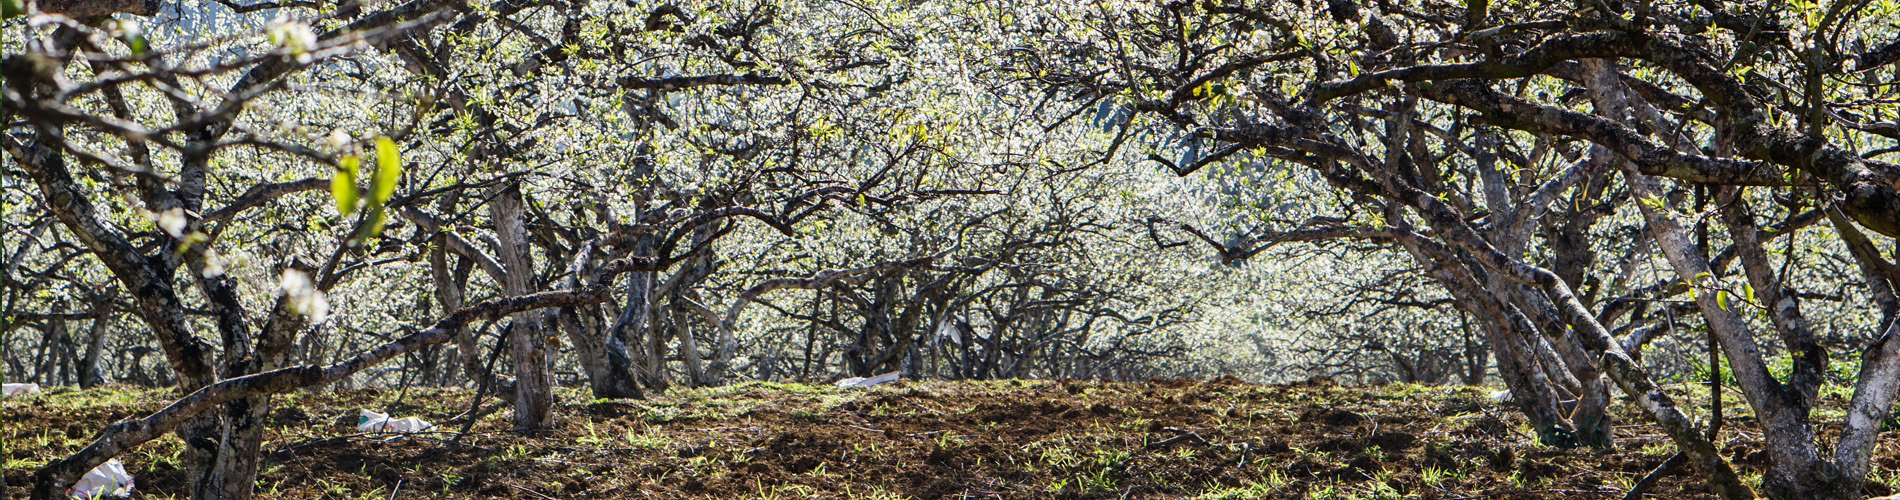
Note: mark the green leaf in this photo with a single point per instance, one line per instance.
(11, 8)
(343, 185)
(1721, 299)
(388, 171)
(372, 226)
(135, 40)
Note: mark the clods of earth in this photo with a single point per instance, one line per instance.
(996, 439)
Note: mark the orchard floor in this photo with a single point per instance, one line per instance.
(1002, 439)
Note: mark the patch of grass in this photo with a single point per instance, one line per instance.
(1099, 479)
(1328, 491)
(1110, 458)
(657, 416)
(1432, 475)
(1214, 491)
(946, 440)
(1053, 455)
(651, 438)
(1276, 480)
(874, 493)
(819, 471)
(1890, 478)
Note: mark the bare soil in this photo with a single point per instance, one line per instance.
(1005, 439)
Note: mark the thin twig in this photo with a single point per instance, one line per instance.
(1183, 435)
(488, 375)
(1649, 480)
(531, 492)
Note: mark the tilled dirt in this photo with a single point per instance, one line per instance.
(1008, 439)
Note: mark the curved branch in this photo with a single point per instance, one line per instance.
(261, 193)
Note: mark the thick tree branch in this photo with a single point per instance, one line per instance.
(686, 82)
(261, 193)
(1874, 59)
(89, 9)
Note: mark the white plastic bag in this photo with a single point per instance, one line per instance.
(1503, 396)
(20, 389)
(867, 382)
(374, 422)
(107, 480)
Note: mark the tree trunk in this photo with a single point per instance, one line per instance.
(590, 349)
(90, 373)
(626, 356)
(626, 362)
(1508, 334)
(689, 349)
(656, 338)
(50, 331)
(534, 398)
(448, 286)
(1590, 418)
(1796, 470)
(1475, 353)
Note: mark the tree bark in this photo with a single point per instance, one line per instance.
(534, 397)
(1796, 469)
(628, 358)
(91, 374)
(689, 349)
(448, 286)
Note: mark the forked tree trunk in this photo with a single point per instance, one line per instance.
(230, 472)
(449, 284)
(623, 363)
(1548, 337)
(590, 345)
(1797, 470)
(1532, 389)
(627, 362)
